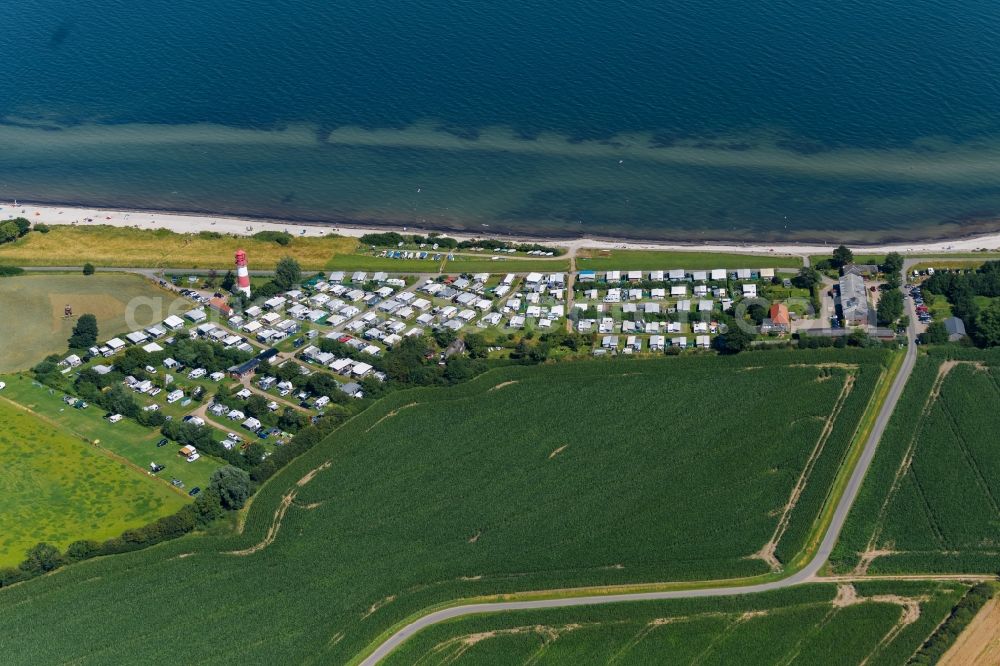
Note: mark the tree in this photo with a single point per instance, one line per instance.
(118, 400)
(233, 486)
(321, 383)
(936, 334)
(256, 405)
(8, 232)
(476, 345)
(288, 371)
(734, 340)
(42, 558)
(84, 333)
(757, 313)
(988, 325)
(893, 263)
(255, 453)
(88, 268)
(228, 281)
(23, 226)
(890, 307)
(842, 256)
(82, 550)
(291, 420)
(807, 278)
(287, 274)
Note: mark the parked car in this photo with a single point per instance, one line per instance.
(194, 491)
(162, 442)
(193, 457)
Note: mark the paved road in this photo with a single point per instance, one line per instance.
(806, 574)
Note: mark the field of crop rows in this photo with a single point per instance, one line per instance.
(594, 473)
(809, 625)
(930, 501)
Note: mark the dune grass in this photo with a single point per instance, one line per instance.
(102, 245)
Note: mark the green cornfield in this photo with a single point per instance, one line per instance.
(799, 626)
(931, 500)
(603, 472)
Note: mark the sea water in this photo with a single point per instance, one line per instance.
(697, 120)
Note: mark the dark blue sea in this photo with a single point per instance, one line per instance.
(694, 120)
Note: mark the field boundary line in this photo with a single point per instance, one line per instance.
(907, 460)
(766, 553)
(108, 453)
(969, 458)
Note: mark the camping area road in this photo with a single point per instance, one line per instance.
(807, 573)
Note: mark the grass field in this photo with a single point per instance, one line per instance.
(56, 488)
(460, 264)
(464, 264)
(807, 625)
(593, 473)
(948, 259)
(930, 500)
(130, 442)
(601, 260)
(31, 311)
(103, 245)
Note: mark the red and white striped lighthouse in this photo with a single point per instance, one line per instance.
(242, 274)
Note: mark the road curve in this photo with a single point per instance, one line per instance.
(807, 573)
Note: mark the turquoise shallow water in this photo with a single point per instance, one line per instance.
(716, 119)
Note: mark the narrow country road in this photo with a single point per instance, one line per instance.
(807, 574)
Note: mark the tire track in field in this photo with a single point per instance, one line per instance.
(969, 458)
(767, 551)
(871, 551)
(279, 514)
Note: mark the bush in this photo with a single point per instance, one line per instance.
(9, 271)
(42, 558)
(233, 486)
(88, 268)
(946, 633)
(279, 237)
(209, 235)
(11, 575)
(42, 228)
(82, 550)
(389, 238)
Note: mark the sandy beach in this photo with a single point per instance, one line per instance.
(193, 223)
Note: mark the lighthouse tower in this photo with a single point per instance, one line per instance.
(242, 274)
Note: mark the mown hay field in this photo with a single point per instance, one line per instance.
(56, 488)
(815, 624)
(101, 245)
(32, 325)
(931, 500)
(591, 473)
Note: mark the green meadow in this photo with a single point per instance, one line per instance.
(57, 488)
(603, 260)
(133, 444)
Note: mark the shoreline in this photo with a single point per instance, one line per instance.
(194, 222)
